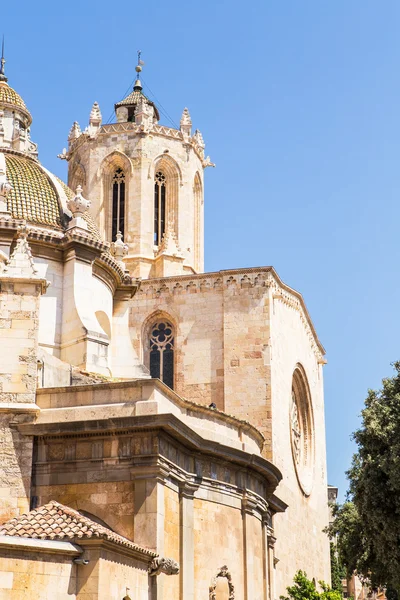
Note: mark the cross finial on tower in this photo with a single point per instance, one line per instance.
(138, 69)
(2, 63)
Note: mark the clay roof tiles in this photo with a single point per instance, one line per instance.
(54, 521)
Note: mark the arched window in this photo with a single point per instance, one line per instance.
(160, 183)
(161, 347)
(118, 203)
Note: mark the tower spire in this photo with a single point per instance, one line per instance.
(138, 69)
(2, 63)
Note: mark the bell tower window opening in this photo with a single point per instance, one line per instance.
(159, 207)
(162, 352)
(118, 203)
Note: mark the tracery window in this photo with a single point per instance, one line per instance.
(160, 184)
(118, 203)
(302, 430)
(161, 345)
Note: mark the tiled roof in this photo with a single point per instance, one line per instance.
(10, 96)
(33, 197)
(133, 98)
(54, 521)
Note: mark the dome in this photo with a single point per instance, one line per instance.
(10, 99)
(38, 196)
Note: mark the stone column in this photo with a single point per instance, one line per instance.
(149, 517)
(186, 493)
(271, 562)
(265, 521)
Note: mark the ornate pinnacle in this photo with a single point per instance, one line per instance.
(75, 132)
(2, 63)
(118, 248)
(185, 118)
(95, 114)
(78, 205)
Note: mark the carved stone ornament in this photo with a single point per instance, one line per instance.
(296, 430)
(159, 565)
(118, 248)
(78, 205)
(95, 114)
(301, 424)
(223, 572)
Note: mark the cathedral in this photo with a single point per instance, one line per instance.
(162, 428)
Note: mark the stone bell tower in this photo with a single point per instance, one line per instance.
(146, 181)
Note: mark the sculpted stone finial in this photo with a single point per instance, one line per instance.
(95, 114)
(118, 249)
(74, 132)
(186, 124)
(169, 566)
(78, 206)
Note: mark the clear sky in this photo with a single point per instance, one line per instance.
(298, 102)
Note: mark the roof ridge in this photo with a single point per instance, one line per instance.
(34, 524)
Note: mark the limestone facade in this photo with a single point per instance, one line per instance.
(182, 410)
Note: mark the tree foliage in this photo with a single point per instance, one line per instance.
(338, 572)
(368, 525)
(304, 589)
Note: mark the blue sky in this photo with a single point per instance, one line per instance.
(298, 102)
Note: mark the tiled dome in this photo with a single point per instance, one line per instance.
(37, 195)
(10, 98)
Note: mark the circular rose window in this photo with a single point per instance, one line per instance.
(302, 430)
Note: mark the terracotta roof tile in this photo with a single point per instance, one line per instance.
(54, 521)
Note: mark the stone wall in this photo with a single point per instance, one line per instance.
(29, 573)
(307, 515)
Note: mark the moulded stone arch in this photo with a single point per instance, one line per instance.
(102, 513)
(157, 317)
(110, 163)
(116, 160)
(77, 177)
(172, 171)
(302, 434)
(222, 572)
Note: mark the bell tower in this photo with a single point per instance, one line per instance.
(144, 180)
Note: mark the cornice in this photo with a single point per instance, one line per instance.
(249, 277)
(221, 416)
(166, 422)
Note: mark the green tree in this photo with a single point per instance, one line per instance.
(368, 525)
(304, 589)
(338, 572)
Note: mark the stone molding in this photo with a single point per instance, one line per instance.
(243, 426)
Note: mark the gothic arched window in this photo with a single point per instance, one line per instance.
(118, 203)
(161, 346)
(159, 206)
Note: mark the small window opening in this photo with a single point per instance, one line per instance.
(118, 204)
(162, 352)
(159, 207)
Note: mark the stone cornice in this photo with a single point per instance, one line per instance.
(8, 542)
(166, 422)
(249, 277)
(239, 424)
